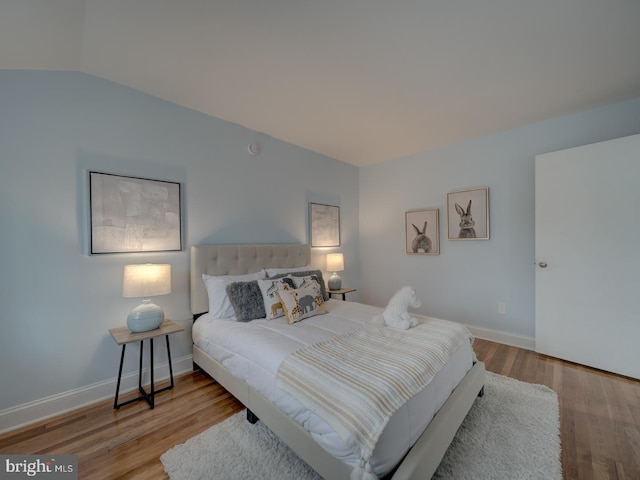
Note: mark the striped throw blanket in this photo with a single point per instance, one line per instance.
(357, 380)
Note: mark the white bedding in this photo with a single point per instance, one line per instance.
(252, 352)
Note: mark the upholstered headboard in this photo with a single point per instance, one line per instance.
(238, 260)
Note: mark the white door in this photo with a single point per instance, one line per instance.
(588, 255)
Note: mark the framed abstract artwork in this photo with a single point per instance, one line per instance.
(324, 225)
(130, 214)
(422, 232)
(468, 214)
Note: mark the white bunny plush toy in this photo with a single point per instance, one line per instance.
(396, 313)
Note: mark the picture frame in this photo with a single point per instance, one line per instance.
(468, 214)
(324, 225)
(422, 232)
(132, 214)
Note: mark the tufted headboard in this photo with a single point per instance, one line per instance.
(238, 260)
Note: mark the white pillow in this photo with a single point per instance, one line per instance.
(276, 271)
(269, 289)
(216, 285)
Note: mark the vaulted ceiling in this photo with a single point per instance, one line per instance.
(361, 81)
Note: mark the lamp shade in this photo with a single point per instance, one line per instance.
(335, 262)
(146, 280)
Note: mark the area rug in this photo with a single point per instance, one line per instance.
(512, 432)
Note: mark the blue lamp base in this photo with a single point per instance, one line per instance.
(146, 316)
(335, 282)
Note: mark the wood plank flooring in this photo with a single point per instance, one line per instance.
(600, 421)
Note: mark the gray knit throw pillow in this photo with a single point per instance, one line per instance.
(246, 300)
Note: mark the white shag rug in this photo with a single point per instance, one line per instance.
(512, 432)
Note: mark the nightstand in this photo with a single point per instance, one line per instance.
(341, 291)
(123, 336)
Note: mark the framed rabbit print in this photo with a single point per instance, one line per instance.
(468, 214)
(422, 233)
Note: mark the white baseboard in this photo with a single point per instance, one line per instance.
(522, 341)
(31, 412)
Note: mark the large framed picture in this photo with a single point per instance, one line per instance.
(130, 214)
(468, 214)
(324, 225)
(422, 232)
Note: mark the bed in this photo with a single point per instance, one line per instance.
(312, 440)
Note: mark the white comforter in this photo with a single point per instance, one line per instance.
(252, 351)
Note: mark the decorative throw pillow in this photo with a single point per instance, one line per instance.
(246, 300)
(317, 273)
(270, 300)
(308, 281)
(301, 303)
(219, 304)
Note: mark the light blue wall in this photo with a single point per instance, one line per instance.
(469, 278)
(56, 301)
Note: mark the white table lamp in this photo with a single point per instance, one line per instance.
(335, 263)
(144, 281)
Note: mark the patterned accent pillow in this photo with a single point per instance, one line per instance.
(246, 300)
(308, 281)
(317, 273)
(270, 300)
(302, 303)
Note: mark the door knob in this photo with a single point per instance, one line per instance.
(542, 264)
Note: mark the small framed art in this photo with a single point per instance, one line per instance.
(468, 214)
(422, 232)
(324, 225)
(130, 214)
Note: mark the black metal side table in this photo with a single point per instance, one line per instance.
(342, 291)
(123, 336)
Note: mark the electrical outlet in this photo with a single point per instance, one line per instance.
(502, 308)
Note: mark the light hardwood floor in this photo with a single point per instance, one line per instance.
(600, 421)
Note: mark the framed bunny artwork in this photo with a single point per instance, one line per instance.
(422, 232)
(468, 214)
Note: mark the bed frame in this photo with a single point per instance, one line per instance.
(424, 457)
